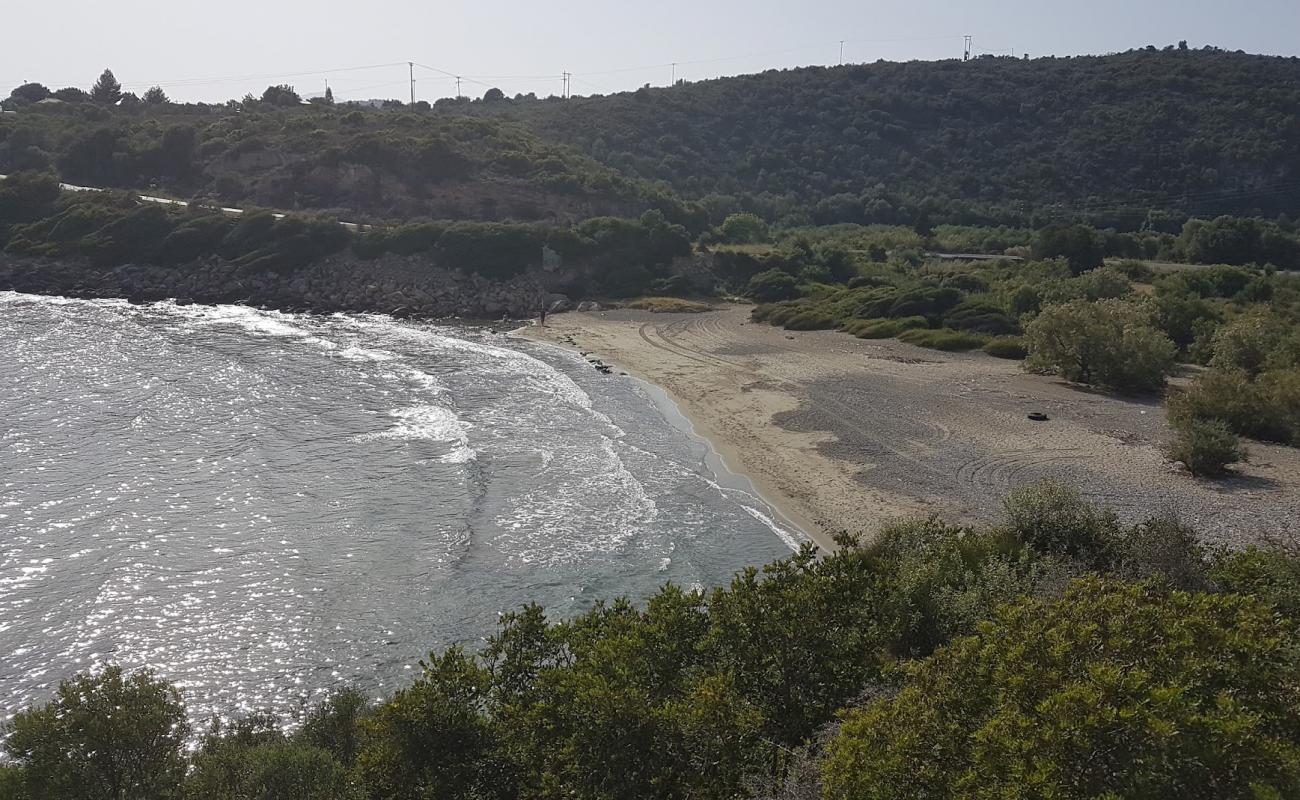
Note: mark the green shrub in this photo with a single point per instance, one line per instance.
(1054, 519)
(111, 736)
(1109, 343)
(931, 302)
(743, 228)
(1113, 690)
(253, 758)
(943, 339)
(333, 725)
(1207, 446)
(1077, 244)
(1012, 347)
(810, 320)
(939, 581)
(668, 305)
(1134, 270)
(1270, 575)
(777, 313)
(883, 328)
(1246, 342)
(1279, 392)
(1267, 408)
(980, 316)
(773, 285)
(1162, 548)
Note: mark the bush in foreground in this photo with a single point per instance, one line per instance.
(1114, 690)
(702, 694)
(105, 737)
(1207, 446)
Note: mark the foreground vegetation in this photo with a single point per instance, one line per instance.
(1058, 654)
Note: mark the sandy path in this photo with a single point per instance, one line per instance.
(844, 434)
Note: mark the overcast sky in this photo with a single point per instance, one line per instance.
(218, 50)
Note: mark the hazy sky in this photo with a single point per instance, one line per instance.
(218, 50)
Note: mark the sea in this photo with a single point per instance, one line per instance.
(262, 507)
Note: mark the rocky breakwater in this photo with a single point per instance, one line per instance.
(406, 286)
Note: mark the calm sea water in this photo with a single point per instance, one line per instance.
(261, 506)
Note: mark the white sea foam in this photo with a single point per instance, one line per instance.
(432, 423)
(253, 320)
(555, 525)
(354, 353)
(537, 375)
(792, 540)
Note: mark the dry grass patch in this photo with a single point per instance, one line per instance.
(669, 305)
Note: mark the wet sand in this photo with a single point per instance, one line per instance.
(843, 434)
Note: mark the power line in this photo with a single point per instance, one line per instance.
(188, 82)
(672, 66)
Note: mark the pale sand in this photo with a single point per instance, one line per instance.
(842, 434)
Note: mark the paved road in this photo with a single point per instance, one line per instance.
(173, 202)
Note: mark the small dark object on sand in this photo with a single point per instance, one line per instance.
(1038, 416)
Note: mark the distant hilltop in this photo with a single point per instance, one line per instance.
(1143, 138)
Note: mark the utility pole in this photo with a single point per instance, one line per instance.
(457, 87)
(841, 52)
(968, 39)
(411, 65)
(674, 80)
(565, 91)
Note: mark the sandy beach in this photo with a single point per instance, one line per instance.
(843, 434)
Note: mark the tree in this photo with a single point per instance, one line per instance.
(106, 91)
(431, 739)
(252, 758)
(1206, 446)
(1054, 519)
(1113, 690)
(103, 737)
(1246, 342)
(30, 92)
(743, 228)
(329, 96)
(493, 95)
(176, 151)
(27, 196)
(155, 96)
(1108, 343)
(71, 94)
(773, 285)
(281, 95)
(1077, 244)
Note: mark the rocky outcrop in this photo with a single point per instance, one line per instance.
(397, 285)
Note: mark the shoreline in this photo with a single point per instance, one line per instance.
(729, 459)
(784, 519)
(722, 459)
(840, 434)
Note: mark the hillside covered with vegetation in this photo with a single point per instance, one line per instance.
(1056, 654)
(391, 164)
(1104, 138)
(1142, 138)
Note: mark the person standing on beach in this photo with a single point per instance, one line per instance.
(542, 324)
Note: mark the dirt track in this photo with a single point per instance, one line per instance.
(843, 433)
